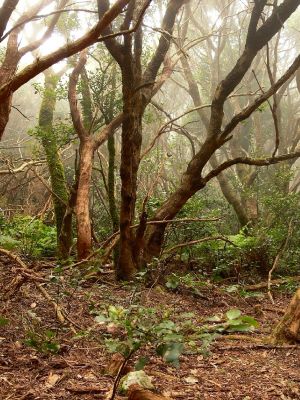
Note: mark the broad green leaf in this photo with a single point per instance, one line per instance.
(233, 314)
(173, 352)
(250, 320)
(141, 362)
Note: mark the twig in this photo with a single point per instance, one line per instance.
(264, 285)
(119, 375)
(61, 315)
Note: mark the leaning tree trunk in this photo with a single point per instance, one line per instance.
(60, 193)
(84, 232)
(288, 329)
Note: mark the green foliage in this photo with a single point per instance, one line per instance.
(61, 131)
(3, 321)
(188, 281)
(130, 329)
(42, 341)
(9, 243)
(234, 322)
(30, 236)
(140, 326)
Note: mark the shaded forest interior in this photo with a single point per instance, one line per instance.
(149, 199)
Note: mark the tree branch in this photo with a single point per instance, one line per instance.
(75, 114)
(65, 51)
(247, 111)
(249, 161)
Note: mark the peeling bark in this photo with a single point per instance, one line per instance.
(84, 231)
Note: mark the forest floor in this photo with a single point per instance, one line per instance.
(234, 369)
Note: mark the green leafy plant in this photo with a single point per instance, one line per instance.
(138, 326)
(234, 322)
(3, 321)
(30, 236)
(189, 281)
(130, 329)
(42, 341)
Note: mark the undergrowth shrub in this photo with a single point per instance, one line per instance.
(30, 236)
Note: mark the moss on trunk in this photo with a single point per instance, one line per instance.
(56, 170)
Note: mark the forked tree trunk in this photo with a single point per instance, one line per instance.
(257, 38)
(288, 329)
(84, 233)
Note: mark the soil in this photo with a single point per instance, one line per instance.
(234, 369)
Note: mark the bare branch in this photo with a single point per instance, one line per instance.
(5, 12)
(249, 161)
(65, 51)
(247, 111)
(75, 114)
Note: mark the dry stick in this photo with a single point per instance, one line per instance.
(25, 271)
(264, 285)
(22, 167)
(61, 316)
(42, 180)
(119, 374)
(277, 258)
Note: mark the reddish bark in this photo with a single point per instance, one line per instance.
(84, 232)
(136, 392)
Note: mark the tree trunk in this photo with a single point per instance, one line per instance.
(130, 159)
(57, 175)
(155, 233)
(288, 329)
(111, 192)
(7, 71)
(84, 232)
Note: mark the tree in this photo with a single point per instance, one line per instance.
(288, 328)
(11, 80)
(138, 88)
(88, 145)
(60, 192)
(193, 179)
